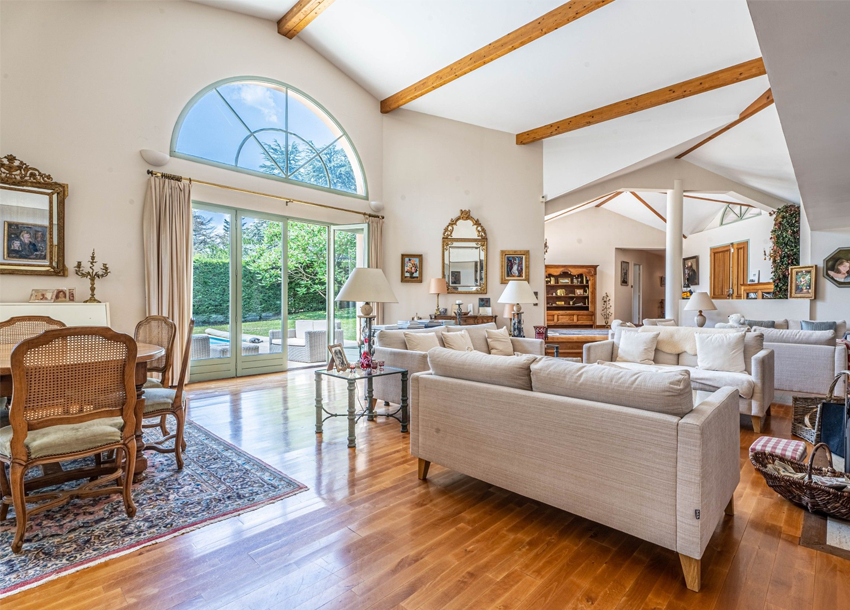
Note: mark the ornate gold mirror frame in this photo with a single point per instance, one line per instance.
(480, 240)
(18, 177)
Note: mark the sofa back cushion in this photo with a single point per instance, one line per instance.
(803, 337)
(459, 341)
(762, 323)
(477, 334)
(513, 372)
(499, 342)
(394, 339)
(420, 342)
(659, 391)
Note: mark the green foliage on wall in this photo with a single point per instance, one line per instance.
(785, 251)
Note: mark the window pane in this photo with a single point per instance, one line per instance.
(275, 144)
(211, 284)
(258, 105)
(310, 122)
(262, 287)
(254, 157)
(339, 167)
(312, 173)
(211, 131)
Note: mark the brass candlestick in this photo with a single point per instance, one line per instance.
(92, 275)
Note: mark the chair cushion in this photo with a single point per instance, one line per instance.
(152, 383)
(158, 399)
(62, 440)
(783, 447)
(484, 368)
(459, 341)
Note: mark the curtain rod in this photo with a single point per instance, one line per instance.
(239, 190)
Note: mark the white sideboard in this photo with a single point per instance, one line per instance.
(72, 314)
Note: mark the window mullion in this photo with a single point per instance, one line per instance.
(256, 139)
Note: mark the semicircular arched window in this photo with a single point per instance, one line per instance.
(270, 129)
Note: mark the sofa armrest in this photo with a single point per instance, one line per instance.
(414, 362)
(600, 350)
(274, 335)
(763, 367)
(414, 412)
(841, 364)
(708, 469)
(291, 333)
(529, 346)
(314, 337)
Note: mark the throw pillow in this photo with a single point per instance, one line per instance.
(637, 347)
(721, 352)
(421, 342)
(762, 323)
(812, 325)
(500, 342)
(667, 323)
(458, 341)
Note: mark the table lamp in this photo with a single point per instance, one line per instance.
(700, 302)
(517, 292)
(367, 286)
(438, 287)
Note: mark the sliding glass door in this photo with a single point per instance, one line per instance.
(349, 249)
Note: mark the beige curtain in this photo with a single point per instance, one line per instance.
(167, 226)
(376, 256)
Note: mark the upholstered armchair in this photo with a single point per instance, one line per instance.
(307, 342)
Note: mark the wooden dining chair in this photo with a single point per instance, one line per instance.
(161, 402)
(73, 395)
(16, 329)
(158, 330)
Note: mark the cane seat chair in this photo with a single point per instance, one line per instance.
(73, 395)
(161, 402)
(157, 330)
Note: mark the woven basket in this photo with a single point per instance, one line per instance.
(804, 492)
(806, 409)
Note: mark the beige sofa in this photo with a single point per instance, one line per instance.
(392, 349)
(755, 387)
(624, 448)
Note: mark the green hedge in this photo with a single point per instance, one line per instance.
(785, 251)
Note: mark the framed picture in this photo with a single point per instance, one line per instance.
(60, 295)
(483, 302)
(454, 278)
(41, 295)
(24, 241)
(338, 359)
(663, 283)
(485, 311)
(802, 282)
(836, 267)
(72, 295)
(624, 273)
(514, 265)
(411, 268)
(690, 271)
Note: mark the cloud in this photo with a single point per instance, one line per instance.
(260, 98)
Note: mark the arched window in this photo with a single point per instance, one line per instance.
(268, 128)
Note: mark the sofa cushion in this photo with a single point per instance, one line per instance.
(458, 341)
(637, 347)
(700, 378)
(483, 368)
(721, 352)
(477, 333)
(69, 438)
(499, 342)
(812, 325)
(762, 323)
(661, 390)
(394, 339)
(678, 339)
(803, 337)
(420, 342)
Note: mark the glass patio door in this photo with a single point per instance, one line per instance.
(349, 249)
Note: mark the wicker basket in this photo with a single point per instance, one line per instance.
(805, 492)
(806, 409)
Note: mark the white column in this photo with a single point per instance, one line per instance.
(673, 284)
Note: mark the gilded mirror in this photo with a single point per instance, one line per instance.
(465, 255)
(32, 218)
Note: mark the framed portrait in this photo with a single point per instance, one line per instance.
(624, 273)
(338, 359)
(411, 268)
(514, 265)
(60, 295)
(801, 283)
(41, 295)
(836, 267)
(24, 241)
(483, 302)
(454, 278)
(690, 271)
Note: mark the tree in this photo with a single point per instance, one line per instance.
(306, 166)
(206, 240)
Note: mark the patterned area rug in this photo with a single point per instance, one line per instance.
(218, 481)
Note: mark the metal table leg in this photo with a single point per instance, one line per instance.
(352, 399)
(318, 403)
(405, 415)
(370, 403)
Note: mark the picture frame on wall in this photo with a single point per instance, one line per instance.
(690, 271)
(801, 283)
(483, 302)
(514, 265)
(411, 268)
(25, 241)
(624, 273)
(836, 267)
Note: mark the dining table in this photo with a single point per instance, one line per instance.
(146, 353)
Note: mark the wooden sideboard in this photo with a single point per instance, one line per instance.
(571, 296)
(468, 319)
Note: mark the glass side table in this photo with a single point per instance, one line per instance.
(401, 414)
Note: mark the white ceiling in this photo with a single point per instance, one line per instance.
(624, 49)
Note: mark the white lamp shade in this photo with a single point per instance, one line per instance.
(700, 301)
(367, 286)
(438, 286)
(518, 291)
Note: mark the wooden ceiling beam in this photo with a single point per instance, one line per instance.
(551, 21)
(745, 205)
(607, 199)
(701, 84)
(652, 209)
(607, 196)
(765, 100)
(299, 16)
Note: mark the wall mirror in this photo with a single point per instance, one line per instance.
(465, 255)
(32, 218)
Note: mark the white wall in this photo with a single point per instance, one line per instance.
(85, 85)
(652, 270)
(832, 302)
(433, 168)
(590, 237)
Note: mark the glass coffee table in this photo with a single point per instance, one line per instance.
(401, 414)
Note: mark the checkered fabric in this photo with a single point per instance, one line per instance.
(786, 448)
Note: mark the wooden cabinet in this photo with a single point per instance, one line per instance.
(468, 319)
(571, 296)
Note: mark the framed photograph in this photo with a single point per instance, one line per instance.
(514, 265)
(802, 282)
(338, 359)
(41, 295)
(485, 311)
(454, 278)
(663, 282)
(411, 268)
(72, 295)
(755, 277)
(624, 273)
(483, 302)
(60, 295)
(836, 267)
(24, 241)
(690, 271)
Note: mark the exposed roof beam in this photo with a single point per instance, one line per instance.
(701, 84)
(744, 205)
(300, 16)
(652, 209)
(551, 21)
(757, 106)
(607, 197)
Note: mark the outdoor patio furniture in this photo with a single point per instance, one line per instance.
(308, 341)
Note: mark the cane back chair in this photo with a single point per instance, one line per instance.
(158, 330)
(73, 395)
(14, 330)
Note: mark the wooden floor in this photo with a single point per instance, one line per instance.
(369, 534)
